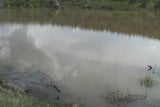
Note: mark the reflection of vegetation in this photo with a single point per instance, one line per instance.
(139, 23)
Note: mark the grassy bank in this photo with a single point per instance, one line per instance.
(12, 99)
(9, 98)
(86, 4)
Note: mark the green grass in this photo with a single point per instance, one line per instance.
(115, 4)
(147, 82)
(9, 98)
(97, 4)
(12, 99)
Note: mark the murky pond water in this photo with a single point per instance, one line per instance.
(89, 53)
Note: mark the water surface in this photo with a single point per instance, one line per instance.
(89, 59)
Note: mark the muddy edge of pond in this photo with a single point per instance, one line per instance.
(34, 83)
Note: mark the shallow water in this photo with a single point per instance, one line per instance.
(90, 62)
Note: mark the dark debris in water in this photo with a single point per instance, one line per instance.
(120, 97)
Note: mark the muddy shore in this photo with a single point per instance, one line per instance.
(35, 84)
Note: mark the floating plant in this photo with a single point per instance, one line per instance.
(147, 82)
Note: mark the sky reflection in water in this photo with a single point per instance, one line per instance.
(86, 61)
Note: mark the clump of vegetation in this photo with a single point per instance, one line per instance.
(147, 82)
(86, 4)
(11, 95)
(9, 98)
(157, 5)
(31, 3)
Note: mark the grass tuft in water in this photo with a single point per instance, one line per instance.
(147, 82)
